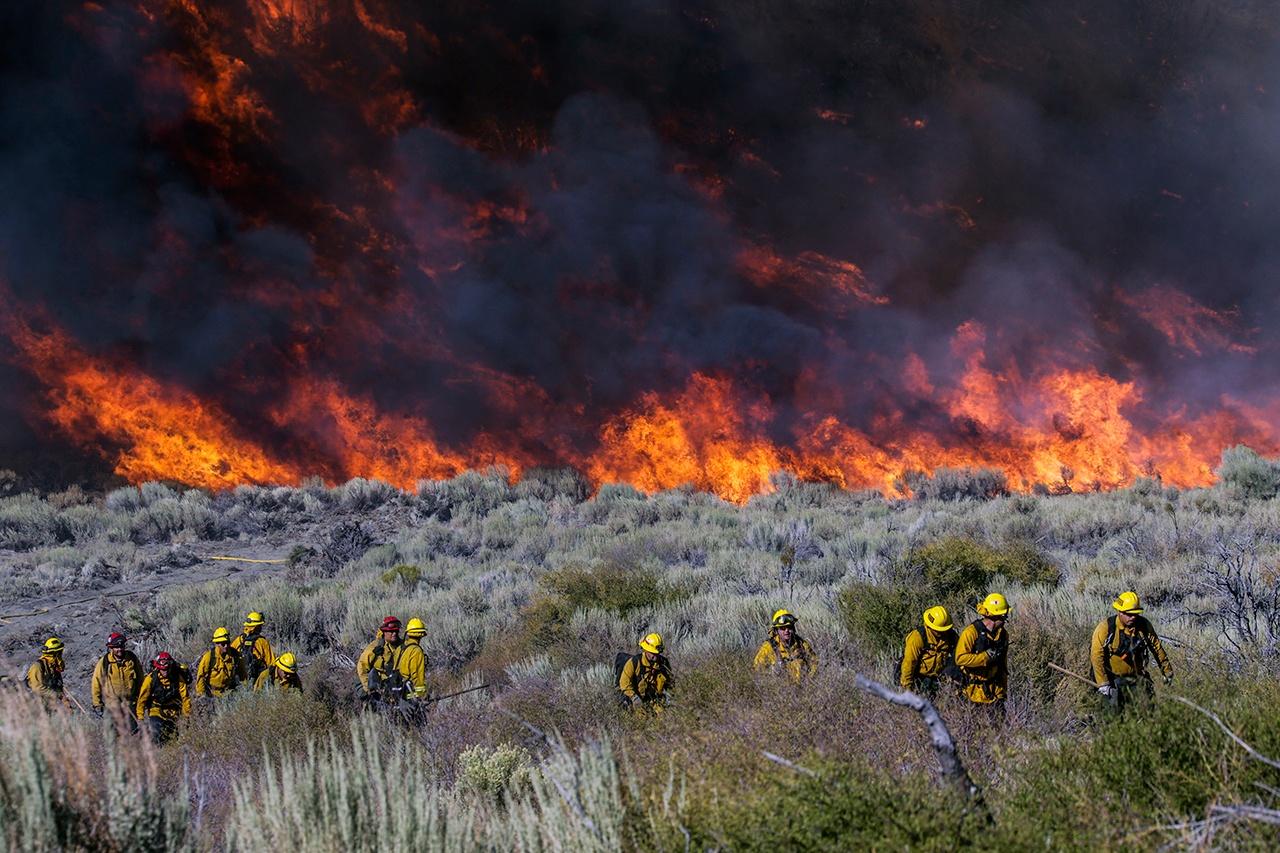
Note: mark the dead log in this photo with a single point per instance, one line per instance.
(945, 748)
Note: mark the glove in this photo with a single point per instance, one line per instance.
(993, 656)
(636, 701)
(1107, 690)
(1168, 679)
(97, 711)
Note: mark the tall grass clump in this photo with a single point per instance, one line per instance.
(64, 788)
(362, 794)
(955, 484)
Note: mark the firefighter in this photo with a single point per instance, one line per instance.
(982, 655)
(163, 699)
(413, 660)
(254, 648)
(1122, 644)
(379, 663)
(929, 653)
(221, 669)
(786, 651)
(45, 675)
(646, 677)
(283, 676)
(116, 680)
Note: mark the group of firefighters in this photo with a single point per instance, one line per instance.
(160, 694)
(972, 663)
(975, 663)
(392, 669)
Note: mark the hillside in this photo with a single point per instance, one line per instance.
(531, 588)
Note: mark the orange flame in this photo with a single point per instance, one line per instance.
(161, 433)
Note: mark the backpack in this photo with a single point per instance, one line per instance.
(619, 664)
(246, 650)
(983, 643)
(161, 695)
(1129, 649)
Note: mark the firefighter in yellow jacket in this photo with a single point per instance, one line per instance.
(283, 676)
(413, 661)
(163, 699)
(786, 651)
(45, 675)
(929, 652)
(380, 659)
(982, 654)
(646, 677)
(116, 678)
(221, 669)
(1122, 645)
(254, 648)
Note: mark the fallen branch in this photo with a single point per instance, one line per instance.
(788, 764)
(943, 745)
(1253, 752)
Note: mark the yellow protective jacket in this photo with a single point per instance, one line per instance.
(381, 657)
(256, 652)
(166, 698)
(927, 654)
(116, 681)
(275, 679)
(45, 678)
(1120, 652)
(649, 681)
(220, 672)
(797, 660)
(985, 682)
(413, 666)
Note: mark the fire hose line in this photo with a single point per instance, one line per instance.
(247, 560)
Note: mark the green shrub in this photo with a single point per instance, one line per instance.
(614, 587)
(491, 772)
(954, 566)
(1246, 474)
(848, 808)
(403, 574)
(878, 617)
(958, 567)
(1023, 563)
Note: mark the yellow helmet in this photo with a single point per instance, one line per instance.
(994, 605)
(784, 619)
(1127, 602)
(254, 620)
(652, 643)
(937, 618)
(415, 628)
(221, 636)
(287, 662)
(53, 644)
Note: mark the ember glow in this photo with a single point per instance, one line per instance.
(261, 240)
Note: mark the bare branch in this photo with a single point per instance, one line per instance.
(1252, 752)
(943, 745)
(788, 764)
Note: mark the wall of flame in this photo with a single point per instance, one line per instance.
(665, 243)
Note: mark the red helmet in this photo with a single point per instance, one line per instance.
(164, 660)
(391, 623)
(116, 641)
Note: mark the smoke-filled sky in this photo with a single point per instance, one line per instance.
(515, 225)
